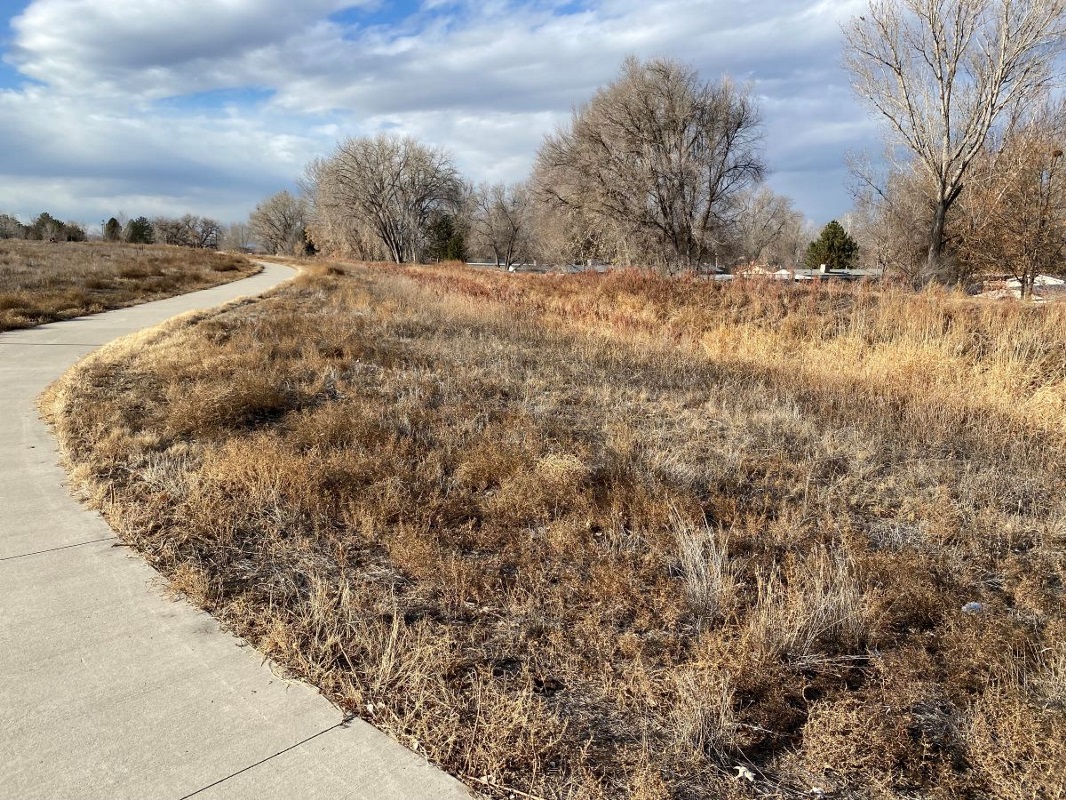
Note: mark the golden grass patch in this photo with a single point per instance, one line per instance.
(49, 281)
(610, 536)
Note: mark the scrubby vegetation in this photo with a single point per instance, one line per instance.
(620, 535)
(49, 281)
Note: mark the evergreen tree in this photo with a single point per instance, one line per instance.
(45, 228)
(139, 231)
(834, 248)
(445, 239)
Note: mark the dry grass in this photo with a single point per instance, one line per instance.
(48, 281)
(609, 536)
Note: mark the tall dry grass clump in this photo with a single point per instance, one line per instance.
(49, 281)
(619, 536)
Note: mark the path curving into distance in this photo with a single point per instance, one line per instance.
(110, 689)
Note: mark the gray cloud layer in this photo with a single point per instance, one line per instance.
(106, 120)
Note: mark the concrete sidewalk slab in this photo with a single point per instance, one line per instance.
(110, 689)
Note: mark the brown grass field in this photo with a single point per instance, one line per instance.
(49, 281)
(621, 535)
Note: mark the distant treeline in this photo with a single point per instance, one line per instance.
(187, 231)
(44, 228)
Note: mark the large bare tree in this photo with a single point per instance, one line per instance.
(655, 160)
(330, 224)
(942, 73)
(893, 211)
(500, 220)
(279, 223)
(767, 228)
(188, 230)
(1013, 212)
(387, 186)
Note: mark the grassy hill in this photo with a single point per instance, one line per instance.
(617, 535)
(49, 281)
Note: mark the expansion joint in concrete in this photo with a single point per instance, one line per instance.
(56, 549)
(262, 761)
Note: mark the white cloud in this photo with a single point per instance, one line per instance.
(485, 79)
(151, 47)
(107, 160)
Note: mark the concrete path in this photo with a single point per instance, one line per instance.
(109, 689)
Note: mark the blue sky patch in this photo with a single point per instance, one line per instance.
(569, 9)
(385, 14)
(12, 8)
(216, 99)
(11, 78)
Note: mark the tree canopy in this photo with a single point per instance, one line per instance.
(139, 231)
(652, 164)
(112, 230)
(834, 248)
(381, 193)
(279, 224)
(941, 73)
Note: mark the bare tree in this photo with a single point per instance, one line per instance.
(203, 231)
(187, 231)
(237, 237)
(654, 161)
(767, 228)
(942, 73)
(279, 223)
(562, 235)
(331, 227)
(170, 230)
(567, 235)
(500, 222)
(1013, 212)
(11, 228)
(385, 187)
(791, 246)
(889, 209)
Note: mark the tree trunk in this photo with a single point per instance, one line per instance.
(935, 261)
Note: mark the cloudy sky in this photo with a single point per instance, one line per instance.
(208, 106)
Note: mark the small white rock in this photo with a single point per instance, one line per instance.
(745, 773)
